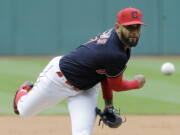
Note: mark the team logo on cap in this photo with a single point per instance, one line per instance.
(134, 14)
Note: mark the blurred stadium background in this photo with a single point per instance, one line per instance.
(33, 31)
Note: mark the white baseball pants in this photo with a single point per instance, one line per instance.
(50, 89)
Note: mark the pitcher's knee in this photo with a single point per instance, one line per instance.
(82, 132)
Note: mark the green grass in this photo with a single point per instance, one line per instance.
(160, 95)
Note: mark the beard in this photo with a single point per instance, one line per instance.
(130, 41)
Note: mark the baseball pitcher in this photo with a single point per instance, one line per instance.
(78, 75)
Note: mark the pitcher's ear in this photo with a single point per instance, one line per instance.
(116, 26)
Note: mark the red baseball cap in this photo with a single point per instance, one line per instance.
(129, 16)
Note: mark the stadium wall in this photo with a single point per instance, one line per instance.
(55, 27)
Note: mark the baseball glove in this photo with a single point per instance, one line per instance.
(109, 117)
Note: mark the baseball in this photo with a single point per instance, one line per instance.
(167, 68)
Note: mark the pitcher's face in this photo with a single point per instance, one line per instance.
(129, 34)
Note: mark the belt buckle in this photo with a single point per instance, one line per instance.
(69, 84)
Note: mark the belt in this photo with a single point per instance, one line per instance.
(66, 81)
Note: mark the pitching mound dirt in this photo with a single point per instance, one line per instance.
(60, 125)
